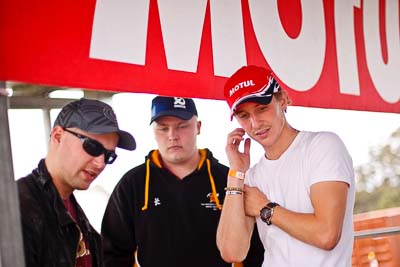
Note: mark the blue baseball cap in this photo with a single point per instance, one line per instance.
(182, 108)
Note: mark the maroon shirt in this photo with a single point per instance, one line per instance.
(83, 257)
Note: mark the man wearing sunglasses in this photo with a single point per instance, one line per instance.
(165, 212)
(56, 231)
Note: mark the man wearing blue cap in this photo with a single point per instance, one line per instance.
(165, 212)
(55, 229)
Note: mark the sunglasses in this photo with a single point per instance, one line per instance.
(94, 148)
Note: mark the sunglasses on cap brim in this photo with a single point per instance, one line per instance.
(94, 148)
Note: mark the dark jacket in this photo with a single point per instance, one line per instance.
(50, 234)
(168, 221)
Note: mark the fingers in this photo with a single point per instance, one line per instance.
(237, 160)
(235, 137)
(247, 143)
(254, 200)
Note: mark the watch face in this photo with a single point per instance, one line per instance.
(265, 214)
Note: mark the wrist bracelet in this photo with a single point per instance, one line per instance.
(236, 174)
(233, 189)
(233, 192)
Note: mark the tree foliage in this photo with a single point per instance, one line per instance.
(378, 180)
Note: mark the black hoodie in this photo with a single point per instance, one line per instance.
(166, 221)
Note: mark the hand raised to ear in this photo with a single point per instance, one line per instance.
(239, 161)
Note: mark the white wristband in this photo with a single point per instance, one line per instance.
(233, 192)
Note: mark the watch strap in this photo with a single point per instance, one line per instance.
(272, 206)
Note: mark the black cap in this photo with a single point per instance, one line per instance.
(183, 108)
(96, 117)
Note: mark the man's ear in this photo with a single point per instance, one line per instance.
(284, 100)
(198, 127)
(56, 134)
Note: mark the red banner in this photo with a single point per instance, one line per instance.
(331, 54)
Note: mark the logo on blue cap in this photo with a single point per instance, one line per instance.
(182, 108)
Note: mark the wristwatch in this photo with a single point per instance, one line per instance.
(267, 212)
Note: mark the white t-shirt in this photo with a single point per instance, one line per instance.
(311, 158)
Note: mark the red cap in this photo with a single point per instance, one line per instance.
(250, 84)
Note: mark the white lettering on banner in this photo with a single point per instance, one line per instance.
(182, 26)
(229, 50)
(298, 62)
(120, 34)
(346, 46)
(240, 86)
(123, 37)
(386, 77)
(120, 30)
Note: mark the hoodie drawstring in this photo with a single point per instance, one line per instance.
(214, 190)
(146, 185)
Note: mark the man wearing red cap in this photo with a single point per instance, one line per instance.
(301, 193)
